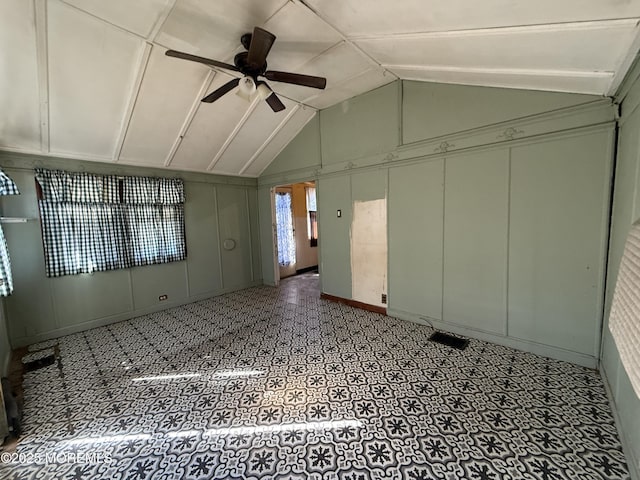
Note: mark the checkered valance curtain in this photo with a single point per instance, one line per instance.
(101, 222)
(7, 187)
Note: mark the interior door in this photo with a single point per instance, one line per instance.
(286, 240)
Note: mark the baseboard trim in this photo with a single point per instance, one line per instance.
(354, 303)
(519, 344)
(120, 317)
(632, 463)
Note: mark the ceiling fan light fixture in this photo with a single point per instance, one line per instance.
(246, 88)
(253, 64)
(263, 91)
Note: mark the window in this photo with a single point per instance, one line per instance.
(7, 187)
(100, 222)
(312, 216)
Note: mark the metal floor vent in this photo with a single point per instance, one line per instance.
(39, 359)
(449, 340)
(40, 363)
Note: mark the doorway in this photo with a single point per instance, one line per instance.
(285, 232)
(295, 228)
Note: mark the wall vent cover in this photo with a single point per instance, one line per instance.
(449, 340)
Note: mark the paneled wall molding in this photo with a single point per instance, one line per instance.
(444, 147)
(595, 114)
(590, 113)
(510, 133)
(103, 321)
(25, 161)
(408, 156)
(292, 176)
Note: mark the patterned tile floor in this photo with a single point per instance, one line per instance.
(275, 383)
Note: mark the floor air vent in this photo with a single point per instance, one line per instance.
(40, 359)
(449, 340)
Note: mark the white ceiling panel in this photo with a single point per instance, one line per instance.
(92, 69)
(337, 64)
(589, 47)
(139, 16)
(213, 28)
(376, 17)
(20, 97)
(573, 82)
(280, 139)
(168, 91)
(251, 137)
(301, 36)
(364, 82)
(210, 128)
(90, 80)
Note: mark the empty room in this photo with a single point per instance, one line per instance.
(320, 239)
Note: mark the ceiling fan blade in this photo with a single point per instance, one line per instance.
(261, 43)
(219, 92)
(297, 79)
(275, 103)
(206, 61)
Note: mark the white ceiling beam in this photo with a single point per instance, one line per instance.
(503, 71)
(114, 25)
(625, 64)
(143, 62)
(234, 133)
(510, 30)
(42, 51)
(369, 58)
(345, 81)
(197, 102)
(155, 30)
(264, 145)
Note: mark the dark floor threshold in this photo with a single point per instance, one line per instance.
(354, 303)
(314, 268)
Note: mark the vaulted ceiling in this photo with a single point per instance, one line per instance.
(89, 79)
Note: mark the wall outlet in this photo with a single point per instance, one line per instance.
(339, 213)
(162, 297)
(384, 298)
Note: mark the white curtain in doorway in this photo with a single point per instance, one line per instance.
(284, 224)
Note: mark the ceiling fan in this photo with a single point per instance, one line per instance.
(253, 64)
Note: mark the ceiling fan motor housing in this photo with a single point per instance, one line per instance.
(240, 61)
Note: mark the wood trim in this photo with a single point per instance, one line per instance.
(354, 303)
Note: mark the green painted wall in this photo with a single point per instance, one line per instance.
(334, 194)
(476, 224)
(434, 109)
(296, 155)
(559, 219)
(486, 189)
(5, 346)
(216, 209)
(626, 211)
(416, 200)
(361, 126)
